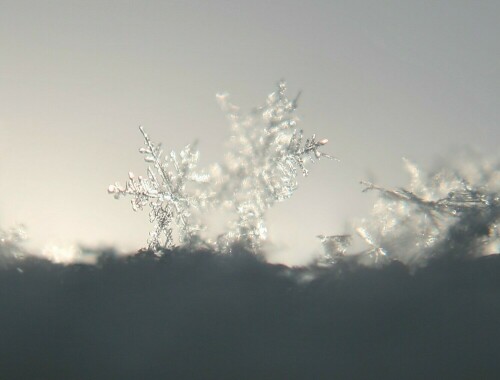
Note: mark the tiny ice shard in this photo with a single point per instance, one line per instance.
(335, 246)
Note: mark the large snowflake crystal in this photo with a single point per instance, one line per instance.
(438, 213)
(165, 190)
(267, 153)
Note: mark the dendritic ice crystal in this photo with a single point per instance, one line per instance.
(452, 211)
(266, 155)
(164, 189)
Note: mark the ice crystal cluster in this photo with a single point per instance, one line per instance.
(454, 210)
(335, 248)
(11, 241)
(267, 153)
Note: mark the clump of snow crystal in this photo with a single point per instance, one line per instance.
(453, 210)
(267, 153)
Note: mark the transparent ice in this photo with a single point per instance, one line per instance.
(266, 155)
(454, 210)
(335, 248)
(11, 241)
(165, 191)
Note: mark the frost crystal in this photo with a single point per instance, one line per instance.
(438, 214)
(165, 191)
(11, 240)
(267, 152)
(375, 253)
(335, 247)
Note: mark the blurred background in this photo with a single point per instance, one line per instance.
(381, 80)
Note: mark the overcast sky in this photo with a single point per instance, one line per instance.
(380, 79)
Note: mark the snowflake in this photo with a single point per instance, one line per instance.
(438, 213)
(165, 191)
(267, 152)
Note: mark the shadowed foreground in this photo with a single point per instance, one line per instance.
(200, 316)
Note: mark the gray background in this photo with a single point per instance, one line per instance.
(380, 79)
